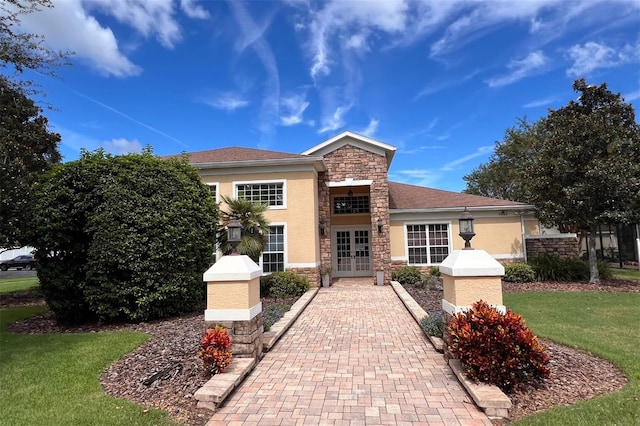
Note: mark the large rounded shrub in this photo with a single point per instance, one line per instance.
(122, 237)
(407, 275)
(285, 285)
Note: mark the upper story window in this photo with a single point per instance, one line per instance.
(427, 244)
(354, 204)
(269, 193)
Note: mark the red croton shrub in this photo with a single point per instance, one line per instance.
(215, 350)
(497, 348)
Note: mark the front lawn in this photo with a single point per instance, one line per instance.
(54, 378)
(603, 323)
(10, 285)
(626, 274)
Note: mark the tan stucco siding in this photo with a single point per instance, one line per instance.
(499, 236)
(531, 226)
(466, 291)
(300, 215)
(233, 294)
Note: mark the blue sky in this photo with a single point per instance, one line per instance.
(440, 80)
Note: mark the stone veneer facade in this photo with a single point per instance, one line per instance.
(245, 336)
(565, 246)
(350, 162)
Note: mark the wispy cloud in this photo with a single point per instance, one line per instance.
(335, 121)
(591, 56)
(632, 96)
(122, 146)
(193, 10)
(420, 177)
(371, 129)
(483, 150)
(534, 63)
(227, 101)
(443, 85)
(252, 36)
(128, 117)
(540, 102)
(292, 108)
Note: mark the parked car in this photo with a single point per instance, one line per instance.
(25, 261)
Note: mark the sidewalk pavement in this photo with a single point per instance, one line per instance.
(354, 357)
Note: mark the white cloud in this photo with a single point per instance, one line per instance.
(122, 146)
(371, 129)
(539, 102)
(420, 177)
(534, 63)
(591, 56)
(67, 26)
(483, 150)
(632, 96)
(293, 108)
(193, 10)
(227, 101)
(334, 121)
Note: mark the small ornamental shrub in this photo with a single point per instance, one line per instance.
(497, 348)
(286, 284)
(518, 273)
(434, 271)
(273, 313)
(408, 275)
(215, 350)
(433, 324)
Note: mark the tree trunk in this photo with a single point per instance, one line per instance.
(594, 276)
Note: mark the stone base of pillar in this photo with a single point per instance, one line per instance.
(246, 336)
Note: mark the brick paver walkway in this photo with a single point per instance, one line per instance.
(354, 357)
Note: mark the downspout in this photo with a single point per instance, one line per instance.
(524, 239)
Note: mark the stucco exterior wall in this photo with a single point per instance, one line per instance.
(233, 294)
(464, 291)
(300, 216)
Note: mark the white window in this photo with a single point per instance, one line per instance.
(270, 193)
(273, 255)
(213, 188)
(355, 204)
(427, 244)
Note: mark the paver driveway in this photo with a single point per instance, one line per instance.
(355, 356)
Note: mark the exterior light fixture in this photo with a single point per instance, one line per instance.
(466, 228)
(379, 223)
(234, 234)
(350, 194)
(323, 226)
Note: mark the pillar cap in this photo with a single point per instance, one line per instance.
(233, 268)
(471, 263)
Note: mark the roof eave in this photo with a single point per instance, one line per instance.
(316, 162)
(516, 208)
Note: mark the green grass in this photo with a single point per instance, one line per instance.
(10, 285)
(627, 274)
(53, 379)
(605, 324)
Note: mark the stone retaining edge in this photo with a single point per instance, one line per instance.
(488, 397)
(219, 387)
(416, 312)
(270, 338)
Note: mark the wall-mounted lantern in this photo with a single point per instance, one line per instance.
(234, 234)
(380, 224)
(323, 226)
(466, 228)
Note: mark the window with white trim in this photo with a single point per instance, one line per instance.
(270, 193)
(355, 204)
(427, 244)
(213, 188)
(273, 255)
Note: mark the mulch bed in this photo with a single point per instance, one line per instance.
(575, 375)
(173, 345)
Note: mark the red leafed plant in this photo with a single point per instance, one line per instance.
(497, 348)
(215, 350)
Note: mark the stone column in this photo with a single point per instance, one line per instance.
(233, 301)
(470, 276)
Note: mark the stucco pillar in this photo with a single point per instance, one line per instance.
(470, 276)
(233, 301)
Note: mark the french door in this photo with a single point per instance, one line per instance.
(351, 253)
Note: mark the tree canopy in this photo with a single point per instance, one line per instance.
(122, 237)
(579, 165)
(27, 149)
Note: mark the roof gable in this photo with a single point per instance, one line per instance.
(353, 139)
(411, 197)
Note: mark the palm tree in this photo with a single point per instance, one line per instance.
(255, 227)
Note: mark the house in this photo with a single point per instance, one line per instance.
(333, 206)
